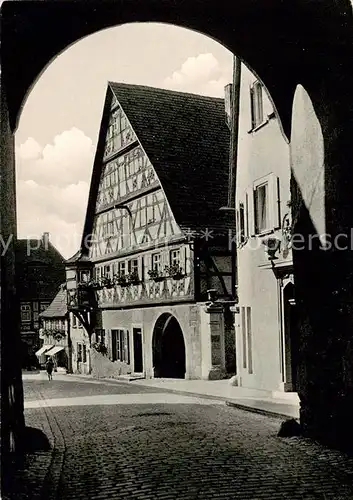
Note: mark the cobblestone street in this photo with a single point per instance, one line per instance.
(119, 440)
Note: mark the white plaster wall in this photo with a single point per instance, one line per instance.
(260, 153)
(145, 318)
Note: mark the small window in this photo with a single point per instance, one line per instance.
(241, 223)
(79, 353)
(175, 257)
(261, 208)
(257, 112)
(84, 354)
(122, 267)
(156, 262)
(120, 346)
(133, 266)
(100, 336)
(106, 271)
(26, 313)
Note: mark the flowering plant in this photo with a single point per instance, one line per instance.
(155, 275)
(121, 279)
(133, 278)
(174, 271)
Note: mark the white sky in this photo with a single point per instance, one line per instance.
(57, 133)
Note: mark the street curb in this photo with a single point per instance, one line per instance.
(227, 402)
(260, 411)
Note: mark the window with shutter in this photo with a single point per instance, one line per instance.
(256, 100)
(127, 347)
(266, 203)
(261, 208)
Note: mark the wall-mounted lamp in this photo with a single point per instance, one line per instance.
(272, 245)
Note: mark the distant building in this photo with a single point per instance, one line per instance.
(159, 241)
(40, 270)
(266, 339)
(54, 332)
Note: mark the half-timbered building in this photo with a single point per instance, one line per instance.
(156, 245)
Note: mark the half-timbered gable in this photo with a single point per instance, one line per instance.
(159, 179)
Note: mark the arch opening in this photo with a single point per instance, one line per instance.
(168, 348)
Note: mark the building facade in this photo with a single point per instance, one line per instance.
(266, 328)
(157, 241)
(40, 269)
(54, 333)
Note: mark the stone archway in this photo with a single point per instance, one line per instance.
(168, 348)
(318, 55)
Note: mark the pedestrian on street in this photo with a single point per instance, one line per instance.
(49, 367)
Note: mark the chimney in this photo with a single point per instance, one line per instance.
(228, 103)
(45, 240)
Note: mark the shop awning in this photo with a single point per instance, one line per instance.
(43, 349)
(54, 350)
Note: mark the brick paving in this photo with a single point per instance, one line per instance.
(170, 451)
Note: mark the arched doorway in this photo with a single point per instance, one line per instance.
(290, 337)
(168, 348)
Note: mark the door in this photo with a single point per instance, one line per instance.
(290, 337)
(138, 361)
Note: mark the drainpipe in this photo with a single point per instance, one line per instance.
(233, 152)
(234, 128)
(69, 344)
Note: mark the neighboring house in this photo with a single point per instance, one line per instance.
(266, 338)
(80, 346)
(158, 241)
(54, 332)
(40, 269)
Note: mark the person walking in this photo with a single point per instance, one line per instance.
(50, 367)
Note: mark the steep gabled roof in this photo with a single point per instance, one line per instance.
(40, 268)
(58, 307)
(187, 141)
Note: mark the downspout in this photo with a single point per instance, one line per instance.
(233, 153)
(69, 344)
(234, 129)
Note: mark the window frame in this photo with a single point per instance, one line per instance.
(265, 204)
(172, 261)
(257, 105)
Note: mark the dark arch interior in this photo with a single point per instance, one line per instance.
(168, 348)
(291, 334)
(266, 37)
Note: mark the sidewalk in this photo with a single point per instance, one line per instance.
(282, 405)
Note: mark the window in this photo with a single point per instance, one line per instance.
(122, 267)
(120, 346)
(247, 233)
(100, 336)
(26, 312)
(156, 262)
(84, 354)
(133, 266)
(106, 271)
(241, 223)
(257, 112)
(43, 306)
(175, 257)
(79, 352)
(261, 208)
(249, 338)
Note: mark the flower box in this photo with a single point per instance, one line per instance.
(155, 275)
(174, 271)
